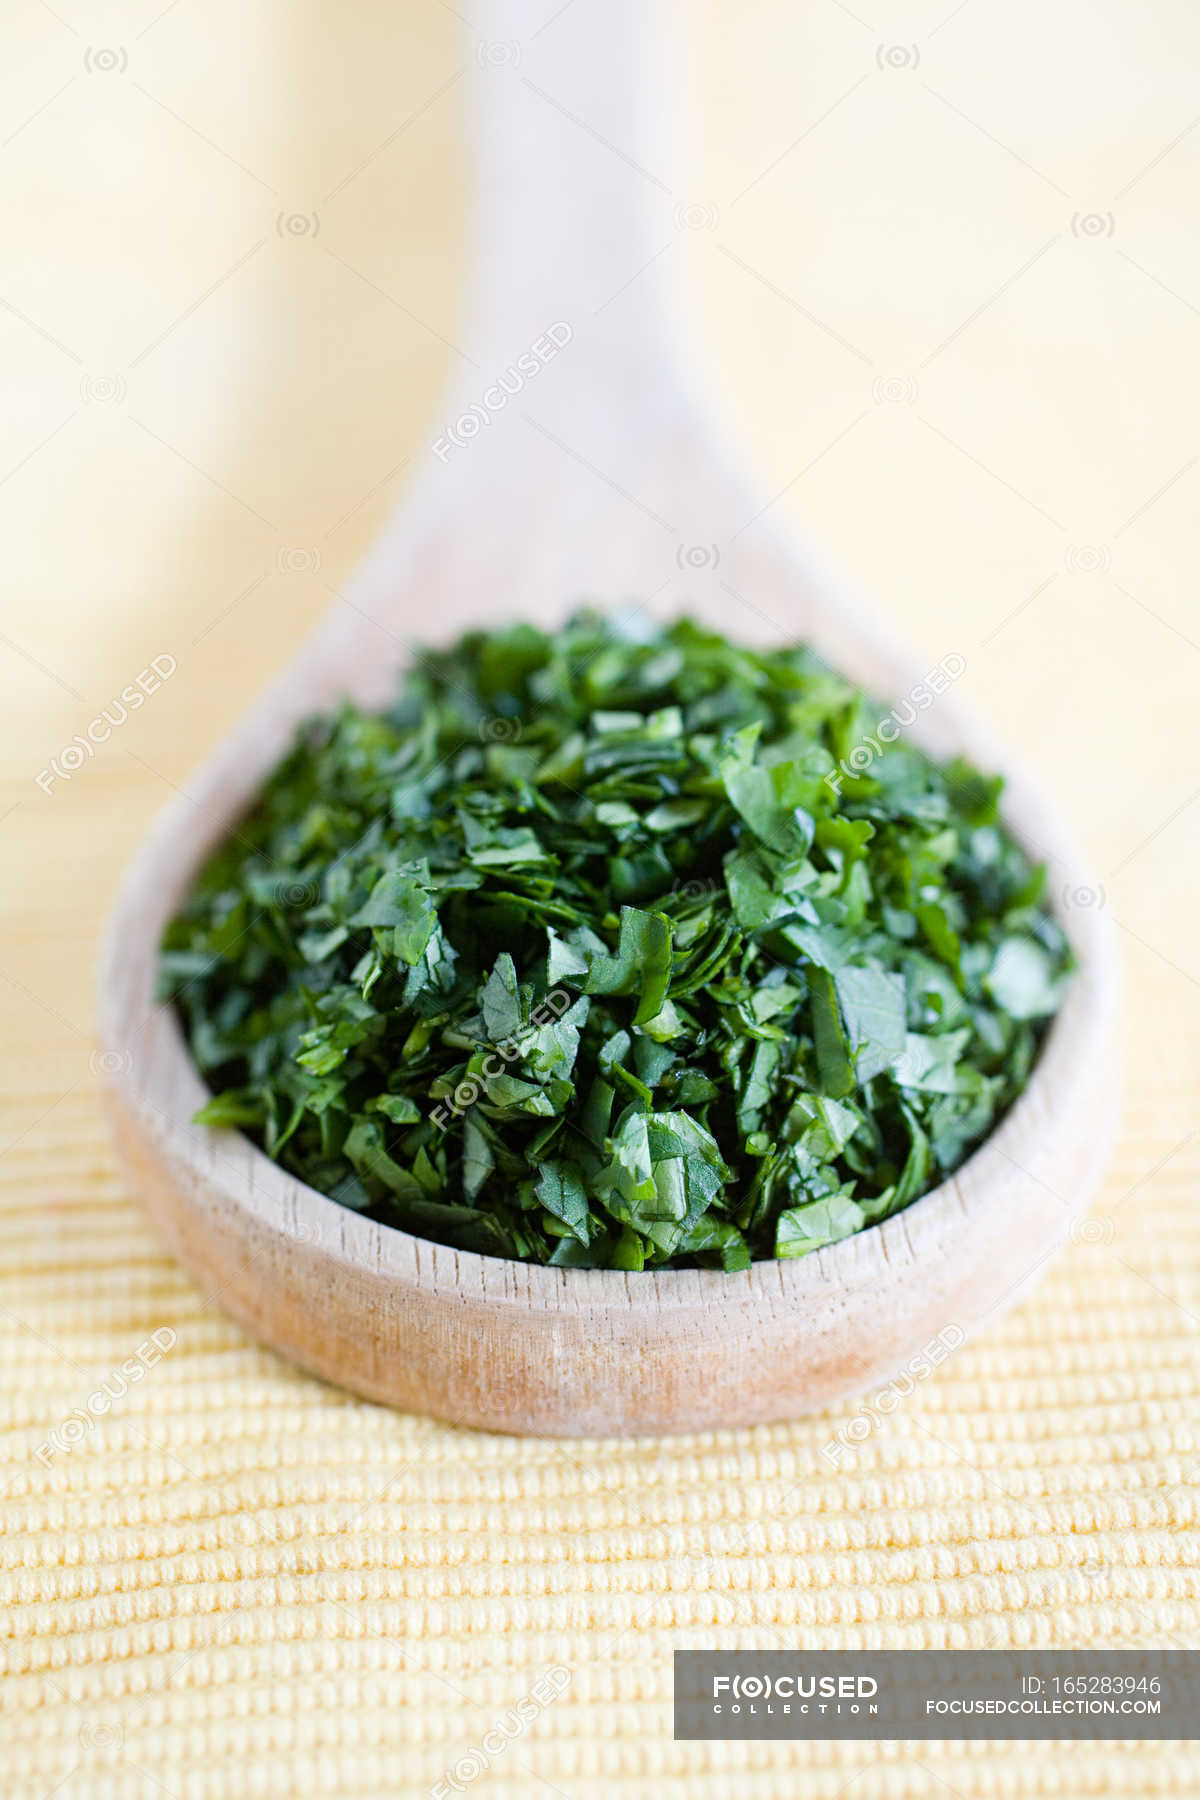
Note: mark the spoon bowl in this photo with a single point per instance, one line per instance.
(574, 462)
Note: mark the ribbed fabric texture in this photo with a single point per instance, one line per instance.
(232, 292)
(241, 1585)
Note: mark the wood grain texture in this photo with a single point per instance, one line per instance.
(522, 520)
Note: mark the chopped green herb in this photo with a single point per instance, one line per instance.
(591, 951)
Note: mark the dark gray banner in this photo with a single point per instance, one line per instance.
(937, 1694)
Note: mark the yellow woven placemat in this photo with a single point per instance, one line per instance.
(952, 299)
(236, 1581)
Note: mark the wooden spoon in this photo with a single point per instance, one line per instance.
(598, 478)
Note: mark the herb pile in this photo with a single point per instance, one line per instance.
(590, 951)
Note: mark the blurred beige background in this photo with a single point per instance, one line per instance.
(941, 270)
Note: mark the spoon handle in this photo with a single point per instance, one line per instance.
(568, 458)
(571, 459)
(571, 209)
